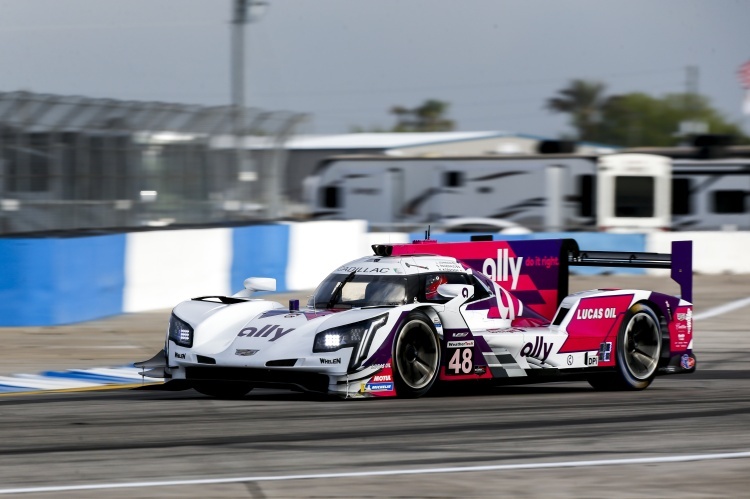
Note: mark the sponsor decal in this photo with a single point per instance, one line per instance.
(364, 270)
(596, 313)
(379, 378)
(687, 362)
(449, 267)
(605, 351)
(507, 330)
(266, 332)
(179, 355)
(387, 365)
(681, 329)
(461, 344)
(591, 360)
(460, 335)
(537, 350)
(570, 360)
(245, 352)
(378, 387)
(323, 360)
(504, 268)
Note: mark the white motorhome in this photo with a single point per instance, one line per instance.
(634, 192)
(612, 192)
(540, 192)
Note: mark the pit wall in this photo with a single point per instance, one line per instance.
(63, 280)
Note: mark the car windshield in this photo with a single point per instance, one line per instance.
(362, 290)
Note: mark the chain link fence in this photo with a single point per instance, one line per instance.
(69, 163)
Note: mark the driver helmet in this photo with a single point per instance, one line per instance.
(431, 287)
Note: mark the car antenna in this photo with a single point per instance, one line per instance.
(427, 233)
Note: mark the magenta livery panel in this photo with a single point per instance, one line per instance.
(410, 317)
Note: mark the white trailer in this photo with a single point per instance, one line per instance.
(550, 192)
(612, 192)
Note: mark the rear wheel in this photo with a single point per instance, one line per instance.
(637, 353)
(223, 389)
(416, 356)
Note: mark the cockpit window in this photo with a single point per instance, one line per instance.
(363, 290)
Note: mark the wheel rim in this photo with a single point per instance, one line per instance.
(416, 354)
(642, 345)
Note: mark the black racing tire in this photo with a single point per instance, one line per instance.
(639, 344)
(227, 390)
(416, 356)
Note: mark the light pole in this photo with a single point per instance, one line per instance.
(244, 12)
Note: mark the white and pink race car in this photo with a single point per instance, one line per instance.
(415, 316)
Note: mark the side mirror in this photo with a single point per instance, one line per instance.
(253, 284)
(260, 284)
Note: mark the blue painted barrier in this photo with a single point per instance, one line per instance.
(260, 251)
(54, 281)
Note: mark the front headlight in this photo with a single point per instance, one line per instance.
(180, 332)
(358, 335)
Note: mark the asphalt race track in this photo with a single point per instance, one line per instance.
(685, 436)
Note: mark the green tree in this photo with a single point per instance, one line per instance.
(636, 119)
(583, 101)
(429, 117)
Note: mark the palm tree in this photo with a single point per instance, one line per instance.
(429, 117)
(584, 101)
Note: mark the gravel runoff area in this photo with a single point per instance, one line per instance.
(124, 339)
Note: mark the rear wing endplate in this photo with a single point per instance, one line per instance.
(680, 262)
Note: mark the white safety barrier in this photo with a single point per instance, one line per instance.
(318, 248)
(713, 252)
(163, 268)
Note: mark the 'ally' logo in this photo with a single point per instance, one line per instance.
(498, 270)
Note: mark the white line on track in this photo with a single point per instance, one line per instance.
(722, 309)
(361, 474)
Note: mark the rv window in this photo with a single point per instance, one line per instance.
(586, 195)
(729, 201)
(681, 196)
(331, 197)
(634, 196)
(453, 179)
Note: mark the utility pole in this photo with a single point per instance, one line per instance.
(691, 126)
(239, 19)
(243, 12)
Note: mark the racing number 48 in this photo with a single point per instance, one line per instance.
(461, 362)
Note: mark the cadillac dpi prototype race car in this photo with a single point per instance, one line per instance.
(414, 316)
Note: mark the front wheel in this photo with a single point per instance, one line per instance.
(638, 351)
(416, 356)
(227, 390)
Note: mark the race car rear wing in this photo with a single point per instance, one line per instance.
(536, 271)
(680, 262)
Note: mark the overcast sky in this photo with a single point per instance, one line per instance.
(347, 62)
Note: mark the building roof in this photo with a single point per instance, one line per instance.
(385, 140)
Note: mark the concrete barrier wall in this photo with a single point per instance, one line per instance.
(163, 268)
(45, 282)
(713, 252)
(65, 280)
